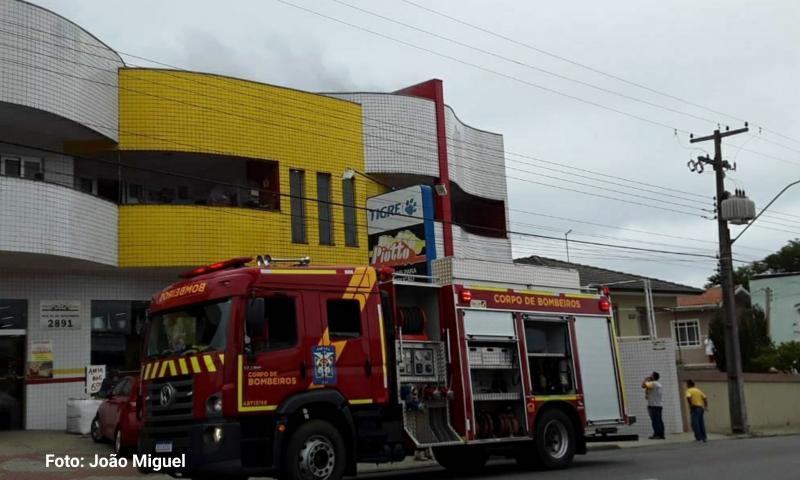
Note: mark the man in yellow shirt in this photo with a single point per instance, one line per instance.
(698, 403)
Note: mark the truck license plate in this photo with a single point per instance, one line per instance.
(164, 447)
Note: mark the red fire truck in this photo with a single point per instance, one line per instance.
(303, 371)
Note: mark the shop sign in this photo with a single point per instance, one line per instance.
(60, 314)
(40, 361)
(400, 226)
(395, 210)
(95, 374)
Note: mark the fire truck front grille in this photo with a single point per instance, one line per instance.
(170, 406)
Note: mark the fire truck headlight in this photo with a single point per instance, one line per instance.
(213, 435)
(214, 405)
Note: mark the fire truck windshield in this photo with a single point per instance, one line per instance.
(190, 329)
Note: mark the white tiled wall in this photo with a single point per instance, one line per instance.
(476, 158)
(51, 64)
(469, 245)
(45, 405)
(478, 272)
(43, 218)
(399, 133)
(640, 358)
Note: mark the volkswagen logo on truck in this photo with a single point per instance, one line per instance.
(167, 395)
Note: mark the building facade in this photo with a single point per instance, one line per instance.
(778, 295)
(113, 179)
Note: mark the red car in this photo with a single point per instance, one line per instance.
(116, 417)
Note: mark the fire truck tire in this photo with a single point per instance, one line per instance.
(555, 439)
(316, 451)
(461, 459)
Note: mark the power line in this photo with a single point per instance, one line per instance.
(589, 68)
(482, 148)
(480, 67)
(548, 185)
(495, 72)
(524, 64)
(467, 226)
(467, 167)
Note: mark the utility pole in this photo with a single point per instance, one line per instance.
(566, 240)
(768, 309)
(733, 356)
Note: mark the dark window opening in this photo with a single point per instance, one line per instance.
(549, 357)
(180, 178)
(279, 329)
(344, 318)
(117, 326)
(13, 314)
(108, 189)
(349, 202)
(262, 178)
(481, 216)
(12, 166)
(324, 210)
(298, 205)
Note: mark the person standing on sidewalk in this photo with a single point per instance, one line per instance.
(698, 403)
(655, 406)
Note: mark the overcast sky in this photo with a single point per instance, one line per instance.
(732, 56)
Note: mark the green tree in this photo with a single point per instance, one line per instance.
(787, 259)
(785, 358)
(753, 339)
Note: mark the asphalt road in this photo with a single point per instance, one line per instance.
(775, 458)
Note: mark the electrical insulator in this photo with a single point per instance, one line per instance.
(738, 209)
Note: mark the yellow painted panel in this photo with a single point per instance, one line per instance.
(166, 110)
(191, 235)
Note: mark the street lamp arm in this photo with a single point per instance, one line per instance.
(765, 208)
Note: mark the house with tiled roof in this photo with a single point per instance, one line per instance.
(693, 316)
(630, 305)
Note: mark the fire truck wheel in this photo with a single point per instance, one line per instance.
(97, 435)
(316, 451)
(555, 439)
(461, 459)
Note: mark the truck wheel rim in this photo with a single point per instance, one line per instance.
(317, 458)
(556, 439)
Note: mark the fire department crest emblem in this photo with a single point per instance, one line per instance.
(324, 364)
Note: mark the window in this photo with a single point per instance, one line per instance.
(190, 329)
(25, 167)
(86, 185)
(13, 314)
(324, 209)
(32, 168)
(349, 201)
(12, 166)
(123, 388)
(344, 318)
(298, 205)
(686, 333)
(279, 329)
(117, 326)
(549, 357)
(263, 185)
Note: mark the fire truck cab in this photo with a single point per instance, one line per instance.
(303, 371)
